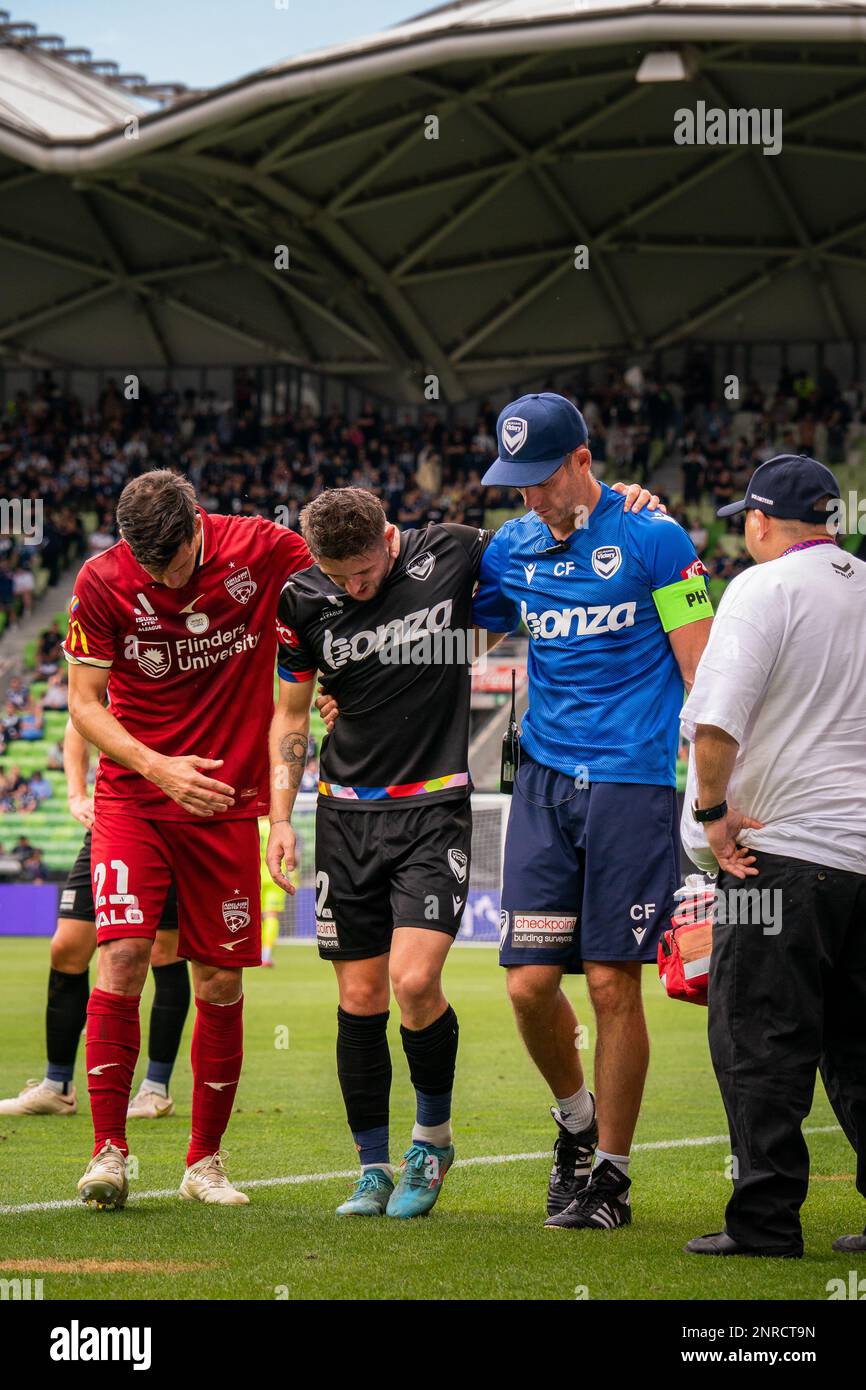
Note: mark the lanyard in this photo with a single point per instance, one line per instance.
(807, 545)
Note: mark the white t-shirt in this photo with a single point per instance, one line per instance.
(784, 673)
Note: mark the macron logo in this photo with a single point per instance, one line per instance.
(529, 571)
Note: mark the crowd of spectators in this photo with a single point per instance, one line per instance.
(22, 861)
(23, 709)
(20, 793)
(245, 455)
(249, 454)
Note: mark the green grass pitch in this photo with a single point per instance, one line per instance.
(484, 1239)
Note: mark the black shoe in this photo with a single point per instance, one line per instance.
(600, 1205)
(852, 1245)
(572, 1162)
(723, 1244)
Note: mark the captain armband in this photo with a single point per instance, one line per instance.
(687, 601)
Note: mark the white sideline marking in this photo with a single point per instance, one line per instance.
(296, 1178)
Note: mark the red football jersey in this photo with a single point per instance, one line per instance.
(192, 669)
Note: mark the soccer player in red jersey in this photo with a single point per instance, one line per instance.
(176, 623)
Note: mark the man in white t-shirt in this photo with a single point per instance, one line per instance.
(776, 800)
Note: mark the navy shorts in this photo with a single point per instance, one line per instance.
(590, 872)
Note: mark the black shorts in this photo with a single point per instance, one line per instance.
(377, 870)
(76, 895)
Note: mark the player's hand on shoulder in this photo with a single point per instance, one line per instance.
(328, 709)
(281, 850)
(81, 808)
(184, 780)
(637, 497)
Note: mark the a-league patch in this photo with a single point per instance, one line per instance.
(543, 929)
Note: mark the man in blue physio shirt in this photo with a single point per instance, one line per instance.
(617, 612)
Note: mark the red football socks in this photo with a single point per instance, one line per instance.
(113, 1042)
(217, 1056)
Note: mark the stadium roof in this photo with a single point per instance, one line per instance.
(151, 242)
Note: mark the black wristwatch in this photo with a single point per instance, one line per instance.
(709, 813)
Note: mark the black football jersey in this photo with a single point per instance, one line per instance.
(398, 666)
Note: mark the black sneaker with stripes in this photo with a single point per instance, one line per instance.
(572, 1163)
(600, 1206)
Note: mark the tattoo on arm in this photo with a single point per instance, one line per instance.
(293, 752)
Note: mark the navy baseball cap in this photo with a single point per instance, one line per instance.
(535, 435)
(787, 486)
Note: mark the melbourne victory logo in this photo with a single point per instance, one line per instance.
(514, 431)
(422, 566)
(606, 560)
(459, 861)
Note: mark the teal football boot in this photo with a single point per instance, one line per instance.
(422, 1173)
(370, 1197)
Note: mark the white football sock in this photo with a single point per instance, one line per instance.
(58, 1086)
(385, 1167)
(576, 1112)
(620, 1161)
(437, 1135)
(156, 1087)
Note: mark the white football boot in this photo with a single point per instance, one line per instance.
(207, 1181)
(105, 1183)
(149, 1105)
(39, 1099)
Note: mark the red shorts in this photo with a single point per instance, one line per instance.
(215, 867)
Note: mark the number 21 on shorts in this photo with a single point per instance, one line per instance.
(119, 908)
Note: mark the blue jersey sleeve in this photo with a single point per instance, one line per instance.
(491, 609)
(667, 551)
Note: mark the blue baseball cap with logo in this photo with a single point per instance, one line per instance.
(787, 486)
(535, 435)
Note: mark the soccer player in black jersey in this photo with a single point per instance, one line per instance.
(385, 618)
